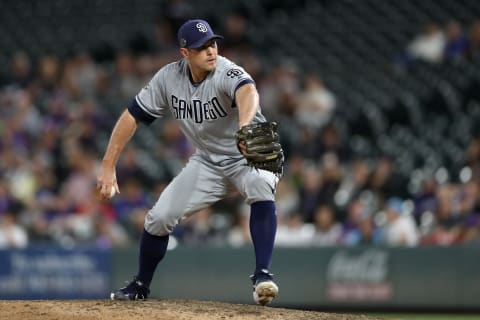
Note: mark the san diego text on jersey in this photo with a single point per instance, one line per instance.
(197, 110)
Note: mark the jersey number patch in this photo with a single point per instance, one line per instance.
(232, 73)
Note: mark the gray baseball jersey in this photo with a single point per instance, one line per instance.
(206, 111)
(208, 116)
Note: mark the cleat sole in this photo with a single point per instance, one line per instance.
(265, 292)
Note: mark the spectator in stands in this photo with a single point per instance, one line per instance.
(473, 162)
(468, 213)
(332, 175)
(353, 184)
(20, 125)
(355, 227)
(370, 234)
(282, 82)
(91, 223)
(204, 227)
(45, 206)
(127, 82)
(295, 166)
(384, 182)
(425, 201)
(474, 41)
(252, 64)
(331, 141)
(21, 70)
(306, 140)
(278, 90)
(109, 234)
(400, 228)
(446, 228)
(457, 45)
(294, 232)
(239, 234)
(7, 201)
(429, 45)
(85, 121)
(12, 234)
(21, 178)
(77, 186)
(310, 192)
(328, 232)
(287, 198)
(129, 167)
(316, 103)
(131, 199)
(79, 75)
(49, 73)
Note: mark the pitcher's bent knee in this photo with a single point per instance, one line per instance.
(159, 225)
(261, 187)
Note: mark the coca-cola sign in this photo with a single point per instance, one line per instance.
(358, 276)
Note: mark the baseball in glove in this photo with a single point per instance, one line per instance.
(262, 146)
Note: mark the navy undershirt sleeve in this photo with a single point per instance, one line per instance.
(246, 81)
(138, 113)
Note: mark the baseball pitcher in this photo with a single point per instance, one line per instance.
(216, 105)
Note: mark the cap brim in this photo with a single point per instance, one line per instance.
(200, 43)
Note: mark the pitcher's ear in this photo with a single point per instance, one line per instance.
(184, 52)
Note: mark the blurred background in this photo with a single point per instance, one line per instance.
(378, 103)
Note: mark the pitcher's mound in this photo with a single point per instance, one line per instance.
(154, 309)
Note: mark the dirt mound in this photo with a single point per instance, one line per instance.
(154, 309)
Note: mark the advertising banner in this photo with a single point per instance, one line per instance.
(53, 273)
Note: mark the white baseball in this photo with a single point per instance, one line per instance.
(112, 192)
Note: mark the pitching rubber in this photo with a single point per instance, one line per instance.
(265, 292)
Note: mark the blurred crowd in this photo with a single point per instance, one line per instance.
(56, 114)
(452, 42)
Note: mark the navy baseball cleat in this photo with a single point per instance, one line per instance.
(264, 289)
(135, 290)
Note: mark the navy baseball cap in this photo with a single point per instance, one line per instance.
(194, 34)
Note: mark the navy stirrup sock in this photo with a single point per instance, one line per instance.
(152, 250)
(263, 226)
